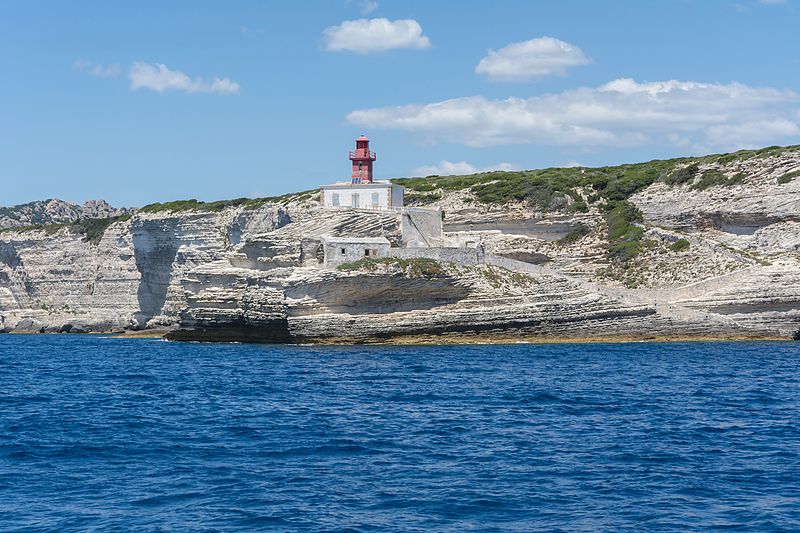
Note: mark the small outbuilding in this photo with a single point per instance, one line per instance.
(338, 250)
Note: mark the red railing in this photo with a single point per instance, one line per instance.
(364, 155)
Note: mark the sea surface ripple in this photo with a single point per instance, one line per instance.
(111, 434)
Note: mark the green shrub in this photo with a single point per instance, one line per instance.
(422, 198)
(682, 175)
(715, 178)
(580, 206)
(786, 178)
(708, 179)
(624, 235)
(736, 178)
(172, 207)
(92, 228)
(679, 245)
(575, 234)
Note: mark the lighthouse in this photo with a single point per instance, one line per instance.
(362, 160)
(363, 191)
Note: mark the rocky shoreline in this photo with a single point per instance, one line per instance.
(452, 339)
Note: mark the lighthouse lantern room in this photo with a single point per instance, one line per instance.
(362, 191)
(362, 160)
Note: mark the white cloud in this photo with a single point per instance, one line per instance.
(159, 78)
(365, 36)
(529, 60)
(753, 134)
(620, 113)
(249, 31)
(368, 6)
(100, 71)
(365, 6)
(449, 168)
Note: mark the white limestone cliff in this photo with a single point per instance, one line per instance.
(246, 273)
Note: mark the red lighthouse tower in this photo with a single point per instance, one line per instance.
(362, 160)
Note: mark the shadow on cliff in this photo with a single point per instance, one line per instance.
(13, 275)
(374, 294)
(155, 249)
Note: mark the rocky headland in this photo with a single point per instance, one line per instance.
(55, 212)
(705, 247)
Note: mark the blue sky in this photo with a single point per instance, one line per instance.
(151, 101)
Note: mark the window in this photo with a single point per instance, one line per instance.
(376, 199)
(335, 199)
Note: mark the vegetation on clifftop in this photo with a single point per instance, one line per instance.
(609, 188)
(92, 229)
(550, 188)
(178, 206)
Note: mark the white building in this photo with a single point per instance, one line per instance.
(380, 195)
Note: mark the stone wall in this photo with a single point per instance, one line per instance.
(422, 227)
(460, 256)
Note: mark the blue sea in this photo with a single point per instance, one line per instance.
(112, 434)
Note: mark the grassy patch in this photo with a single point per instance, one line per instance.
(416, 267)
(679, 245)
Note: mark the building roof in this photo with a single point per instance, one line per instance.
(356, 240)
